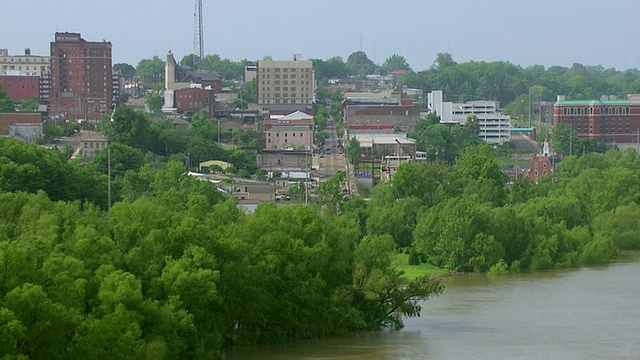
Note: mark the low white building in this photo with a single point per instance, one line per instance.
(26, 132)
(495, 127)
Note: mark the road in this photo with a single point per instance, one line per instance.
(331, 163)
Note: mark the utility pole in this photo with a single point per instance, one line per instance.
(108, 177)
(529, 106)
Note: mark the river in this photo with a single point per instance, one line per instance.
(586, 313)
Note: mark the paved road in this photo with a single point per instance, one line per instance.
(332, 162)
(523, 142)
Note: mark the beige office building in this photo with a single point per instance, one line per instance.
(26, 64)
(286, 85)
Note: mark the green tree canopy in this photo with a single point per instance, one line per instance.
(127, 70)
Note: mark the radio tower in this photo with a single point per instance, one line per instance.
(198, 40)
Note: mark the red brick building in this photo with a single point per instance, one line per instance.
(190, 100)
(81, 78)
(606, 119)
(6, 119)
(21, 87)
(206, 78)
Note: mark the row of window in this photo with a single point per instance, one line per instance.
(589, 110)
(284, 82)
(24, 60)
(285, 76)
(285, 134)
(21, 79)
(284, 70)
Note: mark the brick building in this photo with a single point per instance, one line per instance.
(293, 131)
(190, 100)
(404, 117)
(6, 119)
(606, 119)
(20, 87)
(81, 78)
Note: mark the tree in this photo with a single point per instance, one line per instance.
(330, 192)
(395, 62)
(443, 61)
(359, 64)
(564, 139)
(51, 132)
(154, 100)
(29, 105)
(354, 150)
(129, 127)
(151, 70)
(127, 70)
(190, 61)
(320, 137)
(6, 104)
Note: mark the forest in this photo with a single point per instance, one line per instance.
(174, 270)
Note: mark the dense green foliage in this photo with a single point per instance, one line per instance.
(463, 218)
(173, 275)
(174, 270)
(32, 168)
(6, 104)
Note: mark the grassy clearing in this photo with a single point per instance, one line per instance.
(401, 262)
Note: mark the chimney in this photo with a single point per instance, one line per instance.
(27, 52)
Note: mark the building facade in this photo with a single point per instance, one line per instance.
(20, 87)
(607, 119)
(81, 78)
(26, 132)
(191, 100)
(26, 64)
(290, 132)
(6, 119)
(285, 85)
(403, 117)
(495, 127)
(91, 145)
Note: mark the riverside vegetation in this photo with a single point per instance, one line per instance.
(174, 270)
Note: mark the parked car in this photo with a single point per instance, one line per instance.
(289, 149)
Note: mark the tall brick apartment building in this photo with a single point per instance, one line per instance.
(606, 119)
(81, 78)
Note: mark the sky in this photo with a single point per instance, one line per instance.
(523, 32)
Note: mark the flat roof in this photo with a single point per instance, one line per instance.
(595, 102)
(367, 140)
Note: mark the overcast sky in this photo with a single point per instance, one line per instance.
(523, 32)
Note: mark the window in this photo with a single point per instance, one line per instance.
(285, 76)
(277, 82)
(285, 82)
(285, 134)
(293, 82)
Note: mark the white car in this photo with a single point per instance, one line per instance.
(288, 149)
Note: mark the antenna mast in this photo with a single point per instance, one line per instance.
(198, 38)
